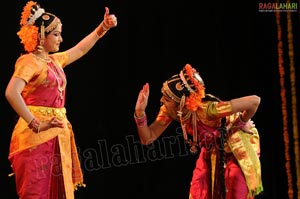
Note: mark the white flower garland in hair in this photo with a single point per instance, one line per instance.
(185, 82)
(36, 15)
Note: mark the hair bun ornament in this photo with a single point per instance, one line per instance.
(31, 12)
(36, 11)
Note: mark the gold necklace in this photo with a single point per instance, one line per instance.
(58, 74)
(47, 60)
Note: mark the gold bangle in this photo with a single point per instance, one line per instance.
(101, 30)
(141, 121)
(139, 116)
(98, 36)
(241, 120)
(104, 27)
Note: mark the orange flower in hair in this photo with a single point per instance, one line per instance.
(29, 37)
(27, 12)
(28, 32)
(194, 100)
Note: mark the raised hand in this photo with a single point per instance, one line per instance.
(109, 20)
(142, 100)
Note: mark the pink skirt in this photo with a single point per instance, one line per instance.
(201, 183)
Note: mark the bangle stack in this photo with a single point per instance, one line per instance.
(101, 30)
(141, 121)
(104, 27)
(239, 122)
(34, 125)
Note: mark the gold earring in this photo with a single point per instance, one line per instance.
(40, 47)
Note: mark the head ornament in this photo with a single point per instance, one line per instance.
(35, 20)
(187, 89)
(187, 83)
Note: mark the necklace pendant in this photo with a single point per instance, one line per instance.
(60, 90)
(61, 94)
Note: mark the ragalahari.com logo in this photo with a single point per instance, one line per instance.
(278, 7)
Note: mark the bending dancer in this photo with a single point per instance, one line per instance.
(228, 165)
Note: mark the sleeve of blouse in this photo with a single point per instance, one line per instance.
(218, 109)
(60, 58)
(25, 68)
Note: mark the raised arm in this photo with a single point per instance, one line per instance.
(147, 133)
(247, 105)
(80, 49)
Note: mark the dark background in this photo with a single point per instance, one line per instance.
(232, 45)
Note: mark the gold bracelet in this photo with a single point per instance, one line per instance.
(104, 27)
(101, 30)
(140, 121)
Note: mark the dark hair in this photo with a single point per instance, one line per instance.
(223, 133)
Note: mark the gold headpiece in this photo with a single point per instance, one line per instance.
(29, 31)
(187, 83)
(167, 90)
(187, 89)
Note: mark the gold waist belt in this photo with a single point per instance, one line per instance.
(60, 113)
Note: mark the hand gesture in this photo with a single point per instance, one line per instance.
(110, 20)
(248, 126)
(244, 126)
(54, 122)
(142, 100)
(37, 126)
